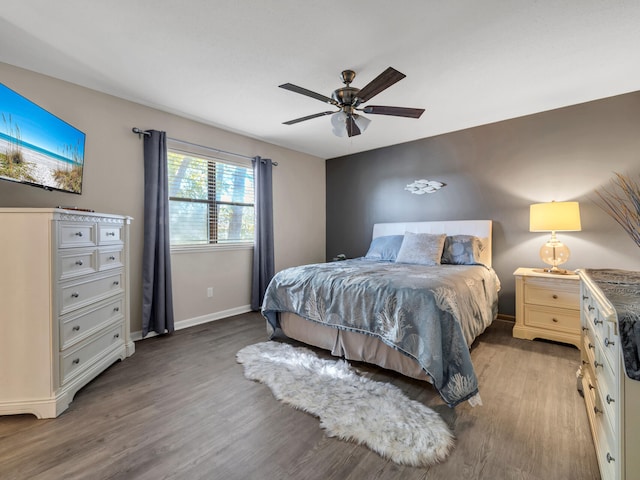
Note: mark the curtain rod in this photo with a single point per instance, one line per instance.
(140, 133)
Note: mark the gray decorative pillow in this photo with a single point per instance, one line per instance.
(462, 250)
(421, 248)
(385, 248)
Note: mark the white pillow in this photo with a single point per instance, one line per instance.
(421, 248)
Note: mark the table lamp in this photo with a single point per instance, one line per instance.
(554, 217)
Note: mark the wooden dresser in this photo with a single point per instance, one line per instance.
(611, 397)
(547, 306)
(64, 304)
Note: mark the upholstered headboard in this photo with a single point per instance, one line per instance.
(478, 228)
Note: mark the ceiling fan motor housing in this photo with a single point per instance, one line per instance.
(346, 97)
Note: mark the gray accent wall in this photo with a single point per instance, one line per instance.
(495, 172)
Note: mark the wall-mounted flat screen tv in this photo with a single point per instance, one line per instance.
(36, 147)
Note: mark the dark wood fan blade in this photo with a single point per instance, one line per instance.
(352, 128)
(395, 111)
(308, 117)
(303, 91)
(380, 83)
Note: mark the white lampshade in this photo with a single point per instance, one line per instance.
(554, 217)
(362, 122)
(339, 122)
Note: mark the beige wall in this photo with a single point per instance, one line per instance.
(113, 183)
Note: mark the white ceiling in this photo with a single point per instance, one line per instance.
(468, 62)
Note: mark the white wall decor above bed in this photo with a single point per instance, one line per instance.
(420, 187)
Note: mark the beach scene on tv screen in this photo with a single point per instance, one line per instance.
(38, 148)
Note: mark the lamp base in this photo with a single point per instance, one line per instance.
(557, 271)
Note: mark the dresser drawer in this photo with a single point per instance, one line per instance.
(76, 234)
(553, 295)
(604, 330)
(607, 453)
(608, 396)
(552, 318)
(78, 294)
(74, 361)
(75, 262)
(110, 258)
(78, 325)
(602, 437)
(610, 345)
(109, 234)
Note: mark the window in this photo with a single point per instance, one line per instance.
(211, 201)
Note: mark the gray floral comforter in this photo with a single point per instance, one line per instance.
(431, 314)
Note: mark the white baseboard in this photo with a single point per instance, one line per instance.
(192, 322)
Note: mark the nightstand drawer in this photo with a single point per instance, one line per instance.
(552, 318)
(547, 306)
(552, 295)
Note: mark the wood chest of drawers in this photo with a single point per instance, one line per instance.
(64, 304)
(547, 306)
(612, 398)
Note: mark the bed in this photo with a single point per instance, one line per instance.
(413, 304)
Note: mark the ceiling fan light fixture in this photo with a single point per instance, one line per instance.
(339, 122)
(361, 121)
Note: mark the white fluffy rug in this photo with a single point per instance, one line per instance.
(349, 406)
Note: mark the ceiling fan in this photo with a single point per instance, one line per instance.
(346, 121)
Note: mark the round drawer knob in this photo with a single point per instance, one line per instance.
(554, 296)
(592, 346)
(554, 320)
(608, 342)
(79, 262)
(610, 458)
(78, 234)
(597, 322)
(76, 328)
(591, 387)
(116, 309)
(609, 399)
(111, 258)
(75, 294)
(76, 361)
(597, 410)
(117, 335)
(597, 364)
(591, 308)
(116, 282)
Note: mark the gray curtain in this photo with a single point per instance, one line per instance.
(263, 265)
(157, 300)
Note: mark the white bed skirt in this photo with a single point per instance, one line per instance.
(350, 345)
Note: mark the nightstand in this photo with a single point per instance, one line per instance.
(547, 306)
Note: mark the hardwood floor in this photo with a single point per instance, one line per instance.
(180, 408)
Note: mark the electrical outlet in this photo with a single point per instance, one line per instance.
(210, 292)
